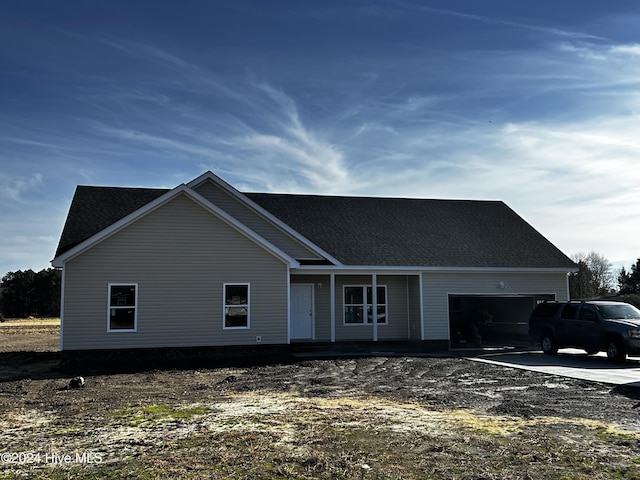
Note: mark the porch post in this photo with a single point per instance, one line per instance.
(374, 306)
(332, 305)
(288, 304)
(421, 308)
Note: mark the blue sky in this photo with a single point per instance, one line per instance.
(533, 103)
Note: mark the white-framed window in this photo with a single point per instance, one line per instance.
(236, 297)
(358, 299)
(122, 313)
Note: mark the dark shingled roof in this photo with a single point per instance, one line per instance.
(416, 232)
(362, 230)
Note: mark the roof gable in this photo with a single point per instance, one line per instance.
(81, 245)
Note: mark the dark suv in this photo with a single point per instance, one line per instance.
(594, 326)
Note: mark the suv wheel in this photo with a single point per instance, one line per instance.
(615, 350)
(548, 344)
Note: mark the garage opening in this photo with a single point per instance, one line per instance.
(491, 321)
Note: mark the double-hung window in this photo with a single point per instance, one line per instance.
(358, 304)
(123, 307)
(236, 305)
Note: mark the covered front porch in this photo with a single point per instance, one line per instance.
(331, 307)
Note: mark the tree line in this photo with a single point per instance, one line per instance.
(26, 293)
(596, 278)
(37, 294)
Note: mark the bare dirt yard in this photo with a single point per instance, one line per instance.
(366, 417)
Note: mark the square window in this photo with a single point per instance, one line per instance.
(236, 305)
(355, 306)
(123, 311)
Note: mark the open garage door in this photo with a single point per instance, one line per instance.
(489, 320)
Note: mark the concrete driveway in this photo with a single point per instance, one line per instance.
(572, 363)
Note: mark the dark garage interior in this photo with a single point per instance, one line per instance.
(491, 321)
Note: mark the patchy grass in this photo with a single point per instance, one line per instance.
(29, 322)
(319, 420)
(148, 415)
(283, 436)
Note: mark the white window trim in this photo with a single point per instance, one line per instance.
(224, 305)
(109, 307)
(365, 323)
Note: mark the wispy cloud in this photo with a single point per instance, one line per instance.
(612, 52)
(266, 133)
(155, 142)
(13, 188)
(298, 157)
(629, 49)
(147, 52)
(508, 23)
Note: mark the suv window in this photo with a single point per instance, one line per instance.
(622, 310)
(588, 314)
(569, 312)
(546, 309)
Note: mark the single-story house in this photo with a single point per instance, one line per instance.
(204, 264)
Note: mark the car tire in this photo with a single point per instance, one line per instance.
(549, 344)
(615, 350)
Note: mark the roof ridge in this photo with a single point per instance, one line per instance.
(310, 195)
(122, 188)
(372, 197)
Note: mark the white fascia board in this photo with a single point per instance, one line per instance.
(149, 207)
(261, 211)
(366, 269)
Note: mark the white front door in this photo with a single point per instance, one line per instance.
(302, 311)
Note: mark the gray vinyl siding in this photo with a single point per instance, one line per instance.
(180, 255)
(397, 309)
(322, 303)
(254, 221)
(438, 285)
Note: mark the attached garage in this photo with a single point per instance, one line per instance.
(491, 320)
(498, 302)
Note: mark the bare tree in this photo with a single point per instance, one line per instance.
(594, 278)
